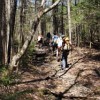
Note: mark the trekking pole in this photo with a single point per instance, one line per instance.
(71, 56)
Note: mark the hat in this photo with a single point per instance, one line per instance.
(63, 36)
(66, 39)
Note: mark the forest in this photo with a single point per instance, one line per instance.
(30, 72)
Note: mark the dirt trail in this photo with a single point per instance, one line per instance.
(80, 81)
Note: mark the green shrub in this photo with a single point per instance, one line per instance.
(4, 79)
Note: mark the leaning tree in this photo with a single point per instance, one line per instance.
(42, 10)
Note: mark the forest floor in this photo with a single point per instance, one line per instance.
(45, 80)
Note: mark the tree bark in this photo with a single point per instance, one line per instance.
(1, 38)
(69, 20)
(11, 31)
(55, 19)
(62, 25)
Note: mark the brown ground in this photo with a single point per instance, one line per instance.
(46, 80)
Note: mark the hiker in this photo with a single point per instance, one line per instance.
(66, 47)
(48, 38)
(54, 42)
(59, 46)
(40, 40)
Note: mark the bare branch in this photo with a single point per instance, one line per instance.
(51, 7)
(43, 3)
(42, 12)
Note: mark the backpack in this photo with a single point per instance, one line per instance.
(55, 37)
(67, 46)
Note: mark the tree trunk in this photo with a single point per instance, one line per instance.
(69, 20)
(1, 37)
(22, 21)
(55, 21)
(43, 26)
(91, 37)
(11, 31)
(62, 25)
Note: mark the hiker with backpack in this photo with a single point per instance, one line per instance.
(54, 43)
(40, 40)
(66, 47)
(59, 46)
(48, 38)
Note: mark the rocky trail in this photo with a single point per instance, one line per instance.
(47, 81)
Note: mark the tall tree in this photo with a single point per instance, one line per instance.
(3, 52)
(55, 19)
(62, 23)
(69, 19)
(12, 11)
(23, 6)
